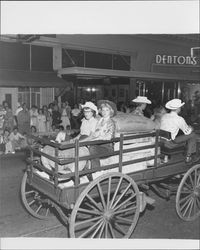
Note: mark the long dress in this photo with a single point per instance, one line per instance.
(9, 120)
(65, 119)
(23, 120)
(41, 123)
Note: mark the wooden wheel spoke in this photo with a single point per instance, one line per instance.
(119, 228)
(185, 198)
(128, 221)
(120, 197)
(30, 203)
(94, 212)
(109, 191)
(97, 229)
(29, 192)
(93, 202)
(123, 203)
(47, 212)
(188, 186)
(111, 230)
(124, 210)
(191, 207)
(198, 180)
(89, 229)
(88, 220)
(116, 191)
(106, 230)
(191, 180)
(187, 207)
(38, 209)
(101, 195)
(187, 201)
(195, 177)
(102, 229)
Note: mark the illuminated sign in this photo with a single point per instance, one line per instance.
(180, 60)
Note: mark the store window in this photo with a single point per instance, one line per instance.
(121, 62)
(98, 60)
(31, 96)
(72, 58)
(89, 59)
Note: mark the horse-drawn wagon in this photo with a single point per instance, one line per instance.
(106, 202)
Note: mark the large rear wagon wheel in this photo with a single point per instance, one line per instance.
(188, 195)
(108, 207)
(34, 201)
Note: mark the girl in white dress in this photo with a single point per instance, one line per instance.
(41, 121)
(65, 115)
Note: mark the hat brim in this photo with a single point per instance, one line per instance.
(111, 104)
(168, 106)
(139, 101)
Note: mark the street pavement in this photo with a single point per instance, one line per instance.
(157, 222)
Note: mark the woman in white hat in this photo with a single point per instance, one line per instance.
(141, 102)
(172, 123)
(89, 121)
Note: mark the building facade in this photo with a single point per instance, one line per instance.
(92, 67)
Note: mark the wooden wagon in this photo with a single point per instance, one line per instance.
(106, 202)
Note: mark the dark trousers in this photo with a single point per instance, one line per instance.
(191, 141)
(99, 149)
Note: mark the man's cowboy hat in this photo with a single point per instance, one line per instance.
(174, 104)
(141, 99)
(111, 104)
(90, 105)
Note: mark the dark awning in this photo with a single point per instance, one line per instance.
(20, 78)
(100, 73)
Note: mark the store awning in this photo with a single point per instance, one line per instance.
(101, 73)
(20, 78)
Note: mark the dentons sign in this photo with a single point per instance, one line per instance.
(180, 60)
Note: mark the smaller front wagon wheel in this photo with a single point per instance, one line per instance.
(34, 201)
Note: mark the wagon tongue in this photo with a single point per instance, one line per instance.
(144, 200)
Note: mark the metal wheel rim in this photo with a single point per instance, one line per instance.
(37, 209)
(107, 217)
(188, 195)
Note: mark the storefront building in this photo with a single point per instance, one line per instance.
(92, 67)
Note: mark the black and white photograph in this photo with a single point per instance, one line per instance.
(100, 125)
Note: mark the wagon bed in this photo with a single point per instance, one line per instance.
(106, 202)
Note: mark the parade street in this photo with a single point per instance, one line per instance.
(159, 221)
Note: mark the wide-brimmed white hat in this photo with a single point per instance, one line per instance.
(141, 99)
(174, 104)
(90, 105)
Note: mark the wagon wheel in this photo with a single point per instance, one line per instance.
(108, 207)
(34, 201)
(188, 195)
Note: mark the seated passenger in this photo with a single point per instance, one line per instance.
(105, 130)
(141, 102)
(172, 123)
(89, 121)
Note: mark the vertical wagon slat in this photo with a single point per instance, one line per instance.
(77, 180)
(121, 152)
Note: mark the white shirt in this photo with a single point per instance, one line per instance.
(18, 110)
(15, 137)
(88, 126)
(172, 122)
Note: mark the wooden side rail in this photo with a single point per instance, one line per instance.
(76, 174)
